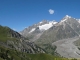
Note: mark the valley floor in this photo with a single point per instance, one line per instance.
(66, 48)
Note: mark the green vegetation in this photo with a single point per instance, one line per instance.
(47, 57)
(9, 54)
(5, 34)
(13, 54)
(1, 59)
(43, 57)
(49, 49)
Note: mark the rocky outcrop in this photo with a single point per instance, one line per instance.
(16, 41)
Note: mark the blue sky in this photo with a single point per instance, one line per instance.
(18, 14)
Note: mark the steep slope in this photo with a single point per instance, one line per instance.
(14, 46)
(37, 30)
(10, 54)
(73, 23)
(13, 40)
(68, 27)
(57, 33)
(6, 33)
(32, 28)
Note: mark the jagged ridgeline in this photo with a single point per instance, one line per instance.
(12, 43)
(13, 46)
(45, 33)
(8, 34)
(14, 40)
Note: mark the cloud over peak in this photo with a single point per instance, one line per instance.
(51, 11)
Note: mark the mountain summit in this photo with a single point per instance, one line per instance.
(66, 18)
(45, 34)
(38, 28)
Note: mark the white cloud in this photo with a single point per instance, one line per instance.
(51, 11)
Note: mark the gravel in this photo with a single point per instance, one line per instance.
(66, 48)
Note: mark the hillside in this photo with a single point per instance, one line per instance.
(11, 43)
(67, 28)
(9, 54)
(13, 40)
(13, 46)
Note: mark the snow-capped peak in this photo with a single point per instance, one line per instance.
(78, 20)
(47, 26)
(43, 25)
(65, 18)
(53, 22)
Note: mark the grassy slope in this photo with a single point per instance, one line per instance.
(1, 59)
(47, 57)
(6, 53)
(5, 34)
(9, 54)
(44, 57)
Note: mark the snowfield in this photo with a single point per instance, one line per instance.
(47, 26)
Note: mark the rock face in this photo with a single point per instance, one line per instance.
(16, 41)
(35, 31)
(67, 28)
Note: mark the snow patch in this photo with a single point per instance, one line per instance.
(79, 20)
(63, 20)
(47, 26)
(32, 30)
(53, 22)
(68, 16)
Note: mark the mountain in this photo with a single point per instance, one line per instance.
(67, 28)
(13, 40)
(74, 24)
(37, 30)
(46, 40)
(14, 46)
